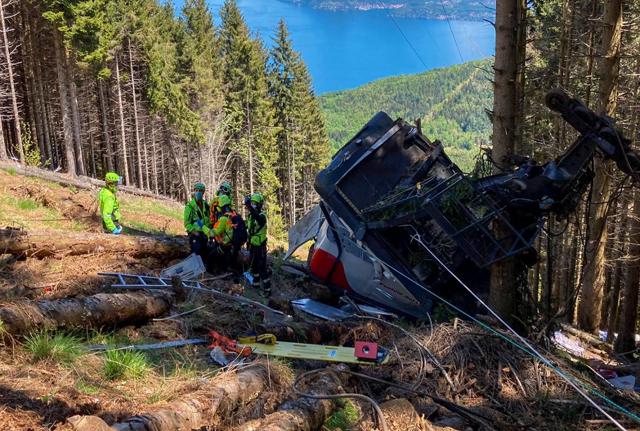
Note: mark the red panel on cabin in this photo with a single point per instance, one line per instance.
(321, 264)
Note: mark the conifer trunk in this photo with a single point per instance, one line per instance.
(628, 318)
(135, 115)
(505, 108)
(104, 127)
(123, 136)
(12, 86)
(75, 116)
(593, 279)
(3, 145)
(64, 104)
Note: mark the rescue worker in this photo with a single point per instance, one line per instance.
(196, 222)
(257, 242)
(109, 206)
(224, 189)
(223, 233)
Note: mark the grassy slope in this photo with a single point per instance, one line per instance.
(451, 102)
(22, 204)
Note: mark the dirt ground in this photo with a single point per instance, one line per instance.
(456, 361)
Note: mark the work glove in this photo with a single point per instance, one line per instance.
(200, 223)
(117, 230)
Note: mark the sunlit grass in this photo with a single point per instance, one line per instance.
(61, 348)
(27, 204)
(125, 364)
(345, 417)
(85, 387)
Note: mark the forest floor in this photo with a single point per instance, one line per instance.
(491, 384)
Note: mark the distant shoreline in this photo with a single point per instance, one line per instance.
(466, 10)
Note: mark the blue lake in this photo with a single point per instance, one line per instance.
(347, 49)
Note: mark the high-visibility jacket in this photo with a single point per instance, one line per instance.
(194, 213)
(109, 208)
(257, 227)
(223, 229)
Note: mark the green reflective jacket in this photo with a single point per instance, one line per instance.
(109, 208)
(194, 212)
(256, 229)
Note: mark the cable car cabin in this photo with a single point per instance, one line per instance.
(398, 219)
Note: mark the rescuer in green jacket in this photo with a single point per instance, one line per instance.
(257, 243)
(109, 206)
(196, 222)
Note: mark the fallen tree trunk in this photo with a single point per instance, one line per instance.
(226, 395)
(300, 414)
(43, 244)
(80, 181)
(103, 309)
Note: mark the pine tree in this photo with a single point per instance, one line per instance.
(302, 140)
(249, 112)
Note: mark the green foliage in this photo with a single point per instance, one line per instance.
(125, 364)
(59, 347)
(32, 154)
(345, 417)
(451, 103)
(27, 204)
(11, 171)
(85, 387)
(249, 111)
(301, 134)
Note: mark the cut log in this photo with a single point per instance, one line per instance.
(79, 181)
(95, 311)
(300, 414)
(230, 392)
(42, 244)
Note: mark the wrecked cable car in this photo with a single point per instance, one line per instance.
(397, 219)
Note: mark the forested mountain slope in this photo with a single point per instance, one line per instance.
(163, 98)
(432, 9)
(450, 101)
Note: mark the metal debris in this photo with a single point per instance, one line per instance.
(318, 309)
(188, 269)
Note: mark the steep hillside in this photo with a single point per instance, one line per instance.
(451, 102)
(432, 9)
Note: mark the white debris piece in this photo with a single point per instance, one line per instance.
(570, 345)
(189, 269)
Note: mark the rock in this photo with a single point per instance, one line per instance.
(401, 415)
(88, 423)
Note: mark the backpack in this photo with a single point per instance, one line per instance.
(240, 235)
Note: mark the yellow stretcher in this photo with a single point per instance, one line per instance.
(314, 352)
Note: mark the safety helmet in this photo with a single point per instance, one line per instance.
(112, 177)
(223, 200)
(199, 187)
(257, 198)
(225, 188)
